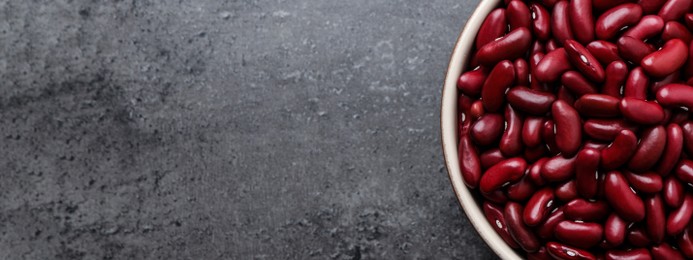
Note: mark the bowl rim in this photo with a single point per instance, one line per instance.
(448, 129)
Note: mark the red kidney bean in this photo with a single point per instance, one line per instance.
(634, 254)
(568, 131)
(620, 150)
(517, 14)
(578, 84)
(672, 150)
(586, 177)
(531, 101)
(687, 128)
(651, 6)
(598, 105)
(675, 9)
(673, 192)
(664, 251)
(685, 243)
(566, 191)
(511, 46)
(564, 252)
(622, 199)
(583, 60)
(499, 80)
(488, 129)
(497, 197)
(531, 131)
(605, 129)
(616, 18)
(676, 95)
(675, 30)
(649, 150)
(684, 171)
(504, 172)
(582, 235)
(518, 230)
(521, 190)
(636, 84)
(605, 52)
(581, 20)
(655, 218)
(633, 50)
(541, 26)
(493, 28)
(491, 157)
(546, 229)
(616, 75)
(582, 210)
(646, 182)
(549, 136)
(680, 217)
(538, 207)
(511, 141)
(494, 215)
(670, 58)
(469, 159)
(476, 111)
(648, 27)
(560, 22)
(470, 83)
(558, 169)
(552, 66)
(534, 172)
(521, 72)
(615, 230)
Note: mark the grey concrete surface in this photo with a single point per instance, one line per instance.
(258, 129)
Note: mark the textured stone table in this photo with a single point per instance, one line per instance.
(306, 129)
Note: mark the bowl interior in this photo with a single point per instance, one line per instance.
(458, 61)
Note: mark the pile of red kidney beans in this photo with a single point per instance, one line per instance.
(575, 127)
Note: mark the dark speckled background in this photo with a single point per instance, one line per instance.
(306, 129)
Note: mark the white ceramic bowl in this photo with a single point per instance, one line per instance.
(448, 127)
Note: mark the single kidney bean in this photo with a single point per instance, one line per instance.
(531, 131)
(476, 111)
(664, 251)
(578, 84)
(531, 101)
(672, 150)
(613, 20)
(684, 171)
(605, 52)
(622, 199)
(687, 128)
(541, 22)
(679, 218)
(521, 72)
(646, 182)
(676, 95)
(675, 9)
(518, 230)
(492, 28)
(651, 6)
(491, 157)
(598, 105)
(534, 172)
(549, 136)
(620, 150)
(673, 192)
(648, 27)
(538, 207)
(649, 150)
(655, 218)
(552, 66)
(494, 215)
(582, 235)
(675, 30)
(499, 80)
(586, 176)
(583, 60)
(616, 75)
(511, 141)
(488, 129)
(517, 14)
(566, 191)
(581, 20)
(511, 46)
(560, 22)
(546, 229)
(633, 50)
(634, 254)
(469, 159)
(605, 129)
(615, 230)
(685, 243)
(670, 58)
(521, 190)
(636, 84)
(582, 210)
(641, 112)
(558, 169)
(564, 252)
(504, 172)
(568, 131)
